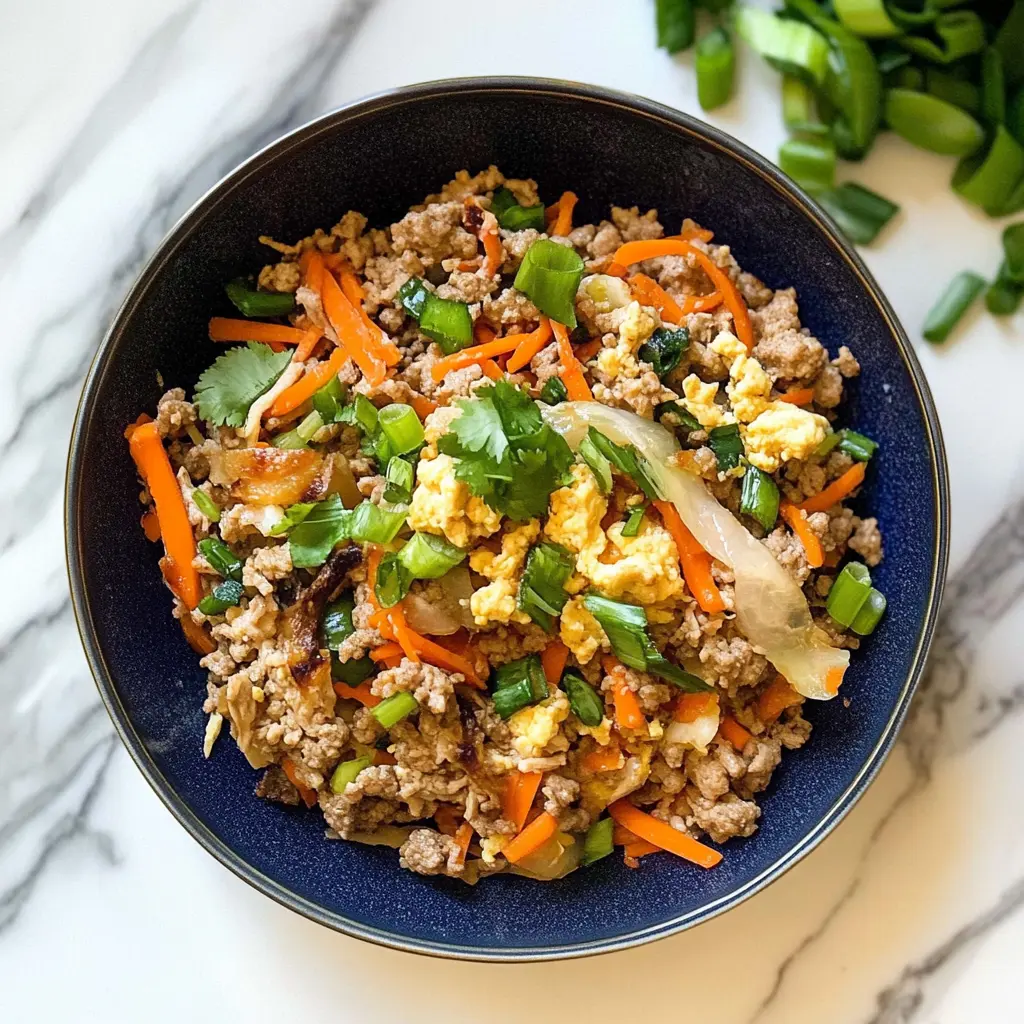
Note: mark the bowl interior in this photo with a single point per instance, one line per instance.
(379, 159)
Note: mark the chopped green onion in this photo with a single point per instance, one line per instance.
(542, 587)
(399, 478)
(860, 213)
(599, 465)
(961, 33)
(948, 87)
(225, 595)
(676, 22)
(252, 303)
(510, 699)
(799, 113)
(549, 276)
(760, 497)
(1013, 252)
(789, 46)
(1016, 201)
(347, 771)
(679, 412)
(362, 413)
(857, 446)
(831, 440)
(412, 296)
(715, 66)
(849, 591)
(352, 672)
(664, 349)
(1009, 42)
(402, 427)
(393, 709)
(1004, 294)
(553, 391)
(428, 557)
(528, 668)
(727, 445)
(393, 581)
(302, 434)
(631, 527)
(913, 13)
(206, 505)
(993, 87)
(871, 611)
(586, 705)
(448, 322)
(866, 18)
(908, 78)
(514, 217)
(931, 123)
(811, 163)
(330, 400)
(335, 628)
(598, 843)
(890, 59)
(626, 459)
(221, 557)
(371, 524)
(951, 306)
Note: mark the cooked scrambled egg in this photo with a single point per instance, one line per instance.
(496, 602)
(576, 511)
(535, 727)
(783, 431)
(602, 733)
(441, 504)
(749, 385)
(620, 359)
(581, 632)
(699, 401)
(492, 846)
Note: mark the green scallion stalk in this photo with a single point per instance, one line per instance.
(857, 446)
(1003, 295)
(362, 413)
(541, 592)
(849, 592)
(715, 66)
(810, 162)
(871, 612)
(792, 47)
(225, 595)
(1009, 41)
(448, 322)
(631, 527)
(335, 628)
(599, 465)
(952, 304)
(528, 668)
(412, 296)
(393, 709)
(866, 18)
(679, 414)
(428, 557)
(931, 123)
(549, 276)
(347, 771)
(961, 33)
(402, 427)
(626, 459)
(586, 705)
(1015, 114)
(664, 349)
(252, 303)
(399, 478)
(393, 581)
(598, 843)
(330, 400)
(676, 22)
(1013, 252)
(371, 524)
(988, 178)
(958, 91)
(553, 391)
(221, 557)
(760, 497)
(831, 440)
(510, 699)
(993, 87)
(206, 505)
(514, 217)
(859, 213)
(799, 112)
(727, 445)
(891, 58)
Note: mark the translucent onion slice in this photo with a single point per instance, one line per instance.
(770, 608)
(697, 734)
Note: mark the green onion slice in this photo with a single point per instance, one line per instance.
(931, 123)
(393, 709)
(302, 434)
(871, 612)
(682, 417)
(206, 505)
(631, 527)
(448, 322)
(347, 771)
(799, 112)
(335, 628)
(866, 18)
(1009, 42)
(542, 593)
(399, 478)
(252, 303)
(952, 304)
(553, 391)
(549, 276)
(429, 557)
(857, 446)
(760, 497)
(1004, 294)
(993, 86)
(393, 581)
(225, 595)
(514, 217)
(528, 668)
(371, 524)
(586, 705)
(626, 459)
(960, 33)
(810, 162)
(727, 445)
(1013, 252)
(402, 427)
(330, 400)
(664, 349)
(859, 213)
(949, 87)
(676, 24)
(599, 465)
(412, 296)
(598, 842)
(789, 46)
(715, 65)
(849, 592)
(512, 698)
(221, 557)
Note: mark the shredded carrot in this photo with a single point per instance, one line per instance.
(691, 706)
(483, 332)
(637, 252)
(837, 490)
(798, 396)
(648, 292)
(572, 373)
(198, 638)
(701, 303)
(308, 795)
(491, 369)
(517, 799)
(357, 341)
(628, 714)
(695, 561)
(604, 759)
(304, 261)
(621, 836)
(408, 639)
(553, 659)
(663, 835)
(692, 232)
(775, 698)
(529, 345)
(385, 651)
(797, 519)
(435, 654)
(360, 693)
(150, 526)
(640, 848)
(533, 837)
(463, 837)
(335, 262)
(494, 255)
(350, 283)
(309, 384)
(474, 354)
(616, 270)
(139, 420)
(179, 545)
(834, 679)
(563, 219)
(354, 292)
(734, 732)
(588, 350)
(304, 349)
(224, 328)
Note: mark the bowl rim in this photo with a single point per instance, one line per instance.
(193, 219)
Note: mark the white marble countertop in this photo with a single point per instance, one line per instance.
(115, 118)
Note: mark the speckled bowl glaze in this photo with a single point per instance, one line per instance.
(608, 148)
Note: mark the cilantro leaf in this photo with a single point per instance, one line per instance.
(479, 428)
(520, 415)
(319, 529)
(293, 515)
(235, 380)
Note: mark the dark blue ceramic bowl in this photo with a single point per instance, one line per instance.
(379, 156)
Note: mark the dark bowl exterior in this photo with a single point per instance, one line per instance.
(379, 156)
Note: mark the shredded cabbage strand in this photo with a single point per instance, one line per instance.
(770, 608)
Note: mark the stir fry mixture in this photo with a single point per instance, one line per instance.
(507, 540)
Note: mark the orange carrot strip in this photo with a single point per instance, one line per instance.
(435, 654)
(563, 220)
(694, 232)
(533, 837)
(662, 835)
(385, 651)
(588, 350)
(637, 252)
(648, 292)
(308, 795)
(360, 693)
(834, 678)
(494, 255)
(691, 706)
(422, 405)
(474, 354)
(616, 270)
(308, 384)
(224, 328)
(798, 396)
(734, 732)
(483, 332)
(628, 714)
(529, 345)
(150, 526)
(553, 659)
(407, 638)
(517, 799)
(640, 848)
(775, 698)
(350, 284)
(604, 759)
(463, 837)
(179, 545)
(797, 519)
(139, 420)
(353, 336)
(695, 561)
(491, 369)
(837, 490)
(198, 638)
(572, 373)
(313, 271)
(701, 303)
(354, 292)
(304, 349)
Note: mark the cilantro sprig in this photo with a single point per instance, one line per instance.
(235, 380)
(505, 453)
